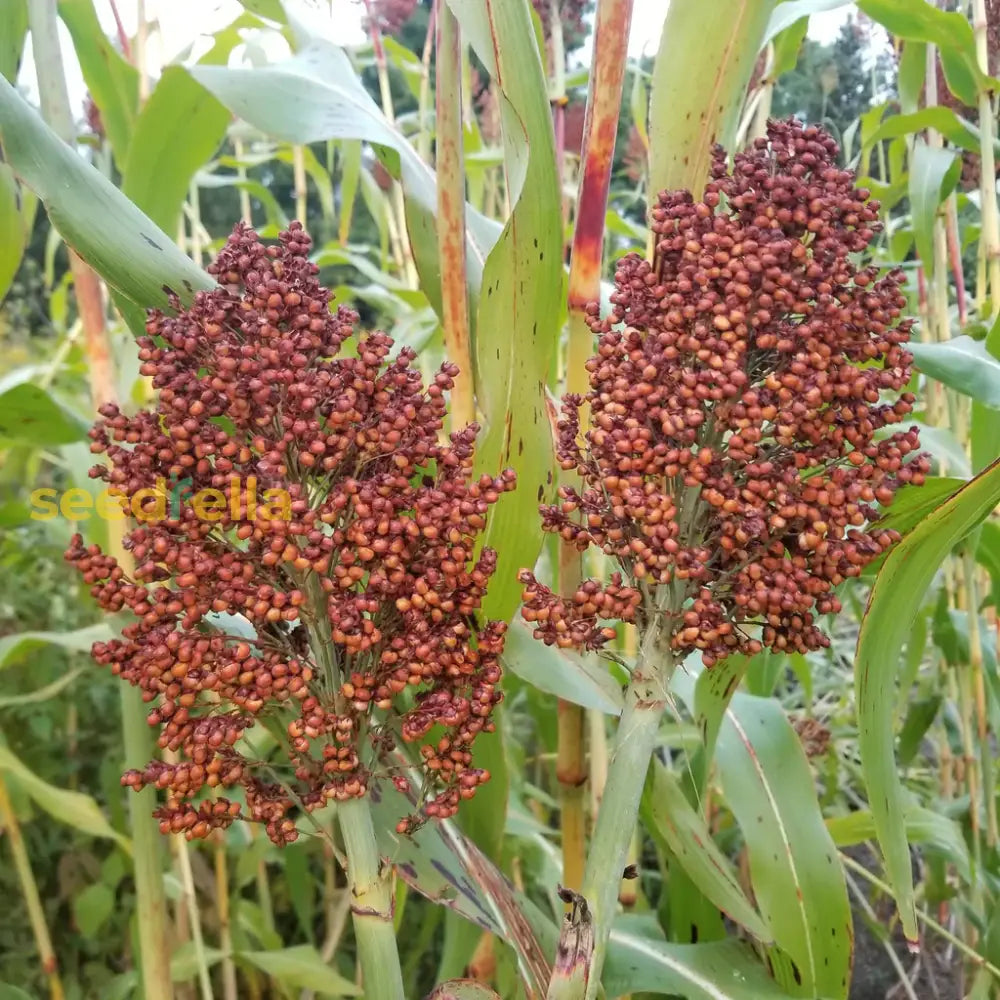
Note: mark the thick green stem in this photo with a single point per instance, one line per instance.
(372, 902)
(988, 173)
(635, 741)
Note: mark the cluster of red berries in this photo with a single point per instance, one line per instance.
(389, 16)
(732, 460)
(321, 573)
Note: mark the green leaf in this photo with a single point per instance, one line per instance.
(522, 292)
(684, 832)
(962, 364)
(13, 30)
(685, 120)
(912, 504)
(912, 71)
(935, 831)
(31, 414)
(350, 179)
(270, 9)
(984, 438)
(956, 130)
(72, 808)
(895, 598)
(117, 240)
(713, 692)
(792, 12)
(42, 693)
(179, 129)
(185, 962)
(112, 81)
(316, 95)
(639, 960)
(920, 21)
(92, 907)
(574, 678)
(797, 879)
(929, 169)
(302, 967)
(15, 648)
(919, 718)
(12, 234)
(8, 992)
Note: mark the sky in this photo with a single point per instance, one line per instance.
(181, 22)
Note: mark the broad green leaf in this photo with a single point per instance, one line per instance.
(919, 717)
(895, 598)
(113, 82)
(683, 830)
(686, 120)
(912, 503)
(13, 30)
(92, 907)
(797, 879)
(930, 183)
(951, 32)
(463, 989)
(791, 12)
(639, 960)
(179, 129)
(316, 95)
(41, 694)
(984, 438)
(302, 967)
(522, 293)
(923, 826)
(962, 364)
(118, 241)
(270, 9)
(72, 808)
(8, 992)
(12, 234)
(956, 130)
(788, 45)
(574, 678)
(31, 414)
(14, 648)
(350, 179)
(713, 692)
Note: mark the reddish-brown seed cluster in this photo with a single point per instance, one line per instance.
(389, 16)
(732, 462)
(312, 562)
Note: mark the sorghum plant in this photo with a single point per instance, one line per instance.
(328, 513)
(732, 461)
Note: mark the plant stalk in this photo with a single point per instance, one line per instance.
(372, 902)
(451, 215)
(29, 889)
(987, 162)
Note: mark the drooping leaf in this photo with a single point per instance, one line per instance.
(956, 130)
(912, 503)
(184, 962)
(112, 81)
(31, 414)
(316, 95)
(797, 878)
(933, 830)
(793, 11)
(963, 364)
(117, 240)
(668, 814)
(571, 677)
(640, 960)
(892, 606)
(12, 234)
(72, 808)
(41, 694)
(15, 648)
(180, 127)
(950, 31)
(302, 967)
